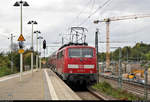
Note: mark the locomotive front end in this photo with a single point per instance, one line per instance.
(80, 64)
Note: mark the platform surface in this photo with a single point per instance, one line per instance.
(43, 85)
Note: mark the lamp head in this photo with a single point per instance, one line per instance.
(16, 4)
(96, 22)
(29, 22)
(25, 4)
(35, 22)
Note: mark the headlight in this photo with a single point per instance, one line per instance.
(73, 66)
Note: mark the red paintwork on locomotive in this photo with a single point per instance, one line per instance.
(62, 63)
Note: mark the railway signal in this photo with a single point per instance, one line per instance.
(44, 46)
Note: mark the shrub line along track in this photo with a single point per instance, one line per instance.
(134, 88)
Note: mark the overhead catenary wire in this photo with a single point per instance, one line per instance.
(87, 5)
(91, 13)
(100, 7)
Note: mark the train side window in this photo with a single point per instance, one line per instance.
(60, 55)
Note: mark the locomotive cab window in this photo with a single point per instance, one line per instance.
(81, 52)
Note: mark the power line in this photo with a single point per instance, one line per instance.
(118, 42)
(80, 12)
(84, 8)
(100, 7)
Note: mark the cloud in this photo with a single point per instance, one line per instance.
(56, 16)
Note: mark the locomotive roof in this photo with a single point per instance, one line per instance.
(73, 44)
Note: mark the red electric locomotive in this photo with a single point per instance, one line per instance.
(75, 63)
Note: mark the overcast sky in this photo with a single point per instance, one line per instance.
(55, 17)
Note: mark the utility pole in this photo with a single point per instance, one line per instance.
(127, 59)
(62, 40)
(120, 70)
(11, 40)
(96, 46)
(145, 84)
(37, 48)
(40, 37)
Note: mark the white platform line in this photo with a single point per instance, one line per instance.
(8, 78)
(13, 76)
(50, 86)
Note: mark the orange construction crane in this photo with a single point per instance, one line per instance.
(107, 20)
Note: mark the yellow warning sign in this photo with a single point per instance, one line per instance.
(21, 51)
(21, 38)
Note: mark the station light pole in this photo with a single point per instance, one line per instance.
(21, 4)
(40, 37)
(32, 22)
(37, 32)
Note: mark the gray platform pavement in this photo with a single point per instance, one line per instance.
(30, 88)
(43, 85)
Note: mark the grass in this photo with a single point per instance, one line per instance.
(6, 71)
(107, 89)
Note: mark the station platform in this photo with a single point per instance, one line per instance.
(43, 85)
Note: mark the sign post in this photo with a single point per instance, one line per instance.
(21, 51)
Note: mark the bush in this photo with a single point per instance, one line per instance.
(116, 93)
(5, 71)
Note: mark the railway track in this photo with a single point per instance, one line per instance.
(84, 92)
(87, 95)
(129, 86)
